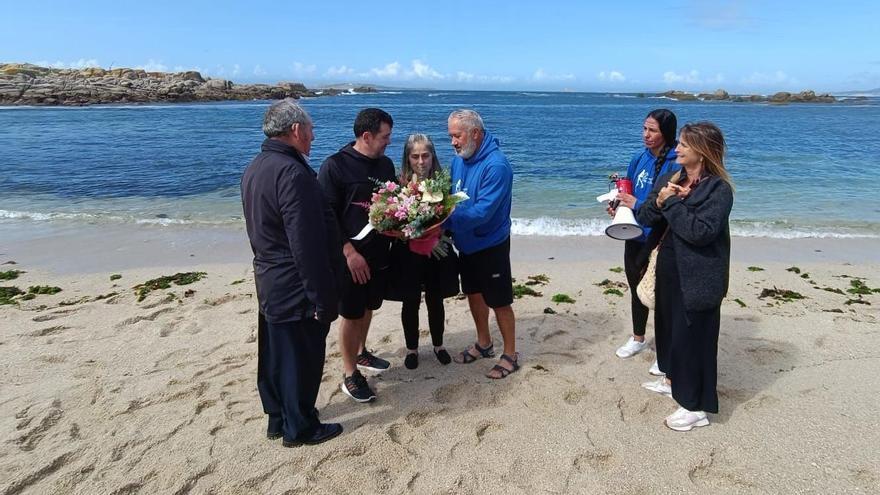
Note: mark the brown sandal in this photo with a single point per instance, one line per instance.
(465, 357)
(501, 370)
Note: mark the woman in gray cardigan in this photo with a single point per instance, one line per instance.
(693, 207)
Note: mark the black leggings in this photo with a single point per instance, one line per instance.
(633, 265)
(409, 318)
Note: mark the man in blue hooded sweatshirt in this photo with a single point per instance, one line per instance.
(481, 229)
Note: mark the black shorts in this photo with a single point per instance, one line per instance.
(355, 299)
(487, 272)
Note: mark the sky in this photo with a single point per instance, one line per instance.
(742, 46)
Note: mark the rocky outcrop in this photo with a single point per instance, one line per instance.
(782, 97)
(27, 84)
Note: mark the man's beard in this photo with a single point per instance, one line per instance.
(467, 151)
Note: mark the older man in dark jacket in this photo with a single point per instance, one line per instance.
(296, 249)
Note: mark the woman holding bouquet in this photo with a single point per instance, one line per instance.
(412, 273)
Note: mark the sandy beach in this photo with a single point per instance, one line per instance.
(102, 393)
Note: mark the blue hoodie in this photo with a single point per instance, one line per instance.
(483, 220)
(641, 173)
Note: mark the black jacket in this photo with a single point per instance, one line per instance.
(297, 252)
(348, 179)
(699, 229)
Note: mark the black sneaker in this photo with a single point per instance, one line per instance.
(356, 387)
(367, 361)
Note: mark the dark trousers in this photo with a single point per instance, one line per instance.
(409, 318)
(290, 363)
(687, 341)
(634, 263)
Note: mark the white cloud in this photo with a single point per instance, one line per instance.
(153, 66)
(421, 70)
(389, 71)
(259, 71)
(79, 64)
(612, 76)
(342, 70)
(542, 75)
(236, 69)
(762, 79)
(302, 69)
(692, 77)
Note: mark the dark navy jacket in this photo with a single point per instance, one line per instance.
(699, 228)
(293, 234)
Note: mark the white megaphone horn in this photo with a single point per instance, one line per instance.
(624, 226)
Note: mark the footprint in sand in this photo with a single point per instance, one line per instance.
(597, 460)
(484, 428)
(48, 331)
(574, 396)
(53, 315)
(46, 418)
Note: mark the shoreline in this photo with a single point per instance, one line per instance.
(85, 249)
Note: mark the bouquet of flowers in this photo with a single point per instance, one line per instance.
(414, 211)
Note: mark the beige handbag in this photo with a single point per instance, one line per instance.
(647, 287)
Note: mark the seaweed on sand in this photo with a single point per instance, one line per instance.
(183, 278)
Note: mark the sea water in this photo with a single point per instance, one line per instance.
(800, 170)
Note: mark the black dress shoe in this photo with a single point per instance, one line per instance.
(321, 434)
(411, 361)
(443, 356)
(273, 431)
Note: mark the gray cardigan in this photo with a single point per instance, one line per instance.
(698, 227)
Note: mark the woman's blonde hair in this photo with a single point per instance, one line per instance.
(406, 171)
(706, 139)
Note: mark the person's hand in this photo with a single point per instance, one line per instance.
(682, 192)
(627, 200)
(665, 193)
(357, 265)
(611, 209)
(441, 250)
(672, 190)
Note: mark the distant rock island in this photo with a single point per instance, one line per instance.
(28, 84)
(781, 97)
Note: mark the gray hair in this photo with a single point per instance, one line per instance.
(281, 116)
(469, 118)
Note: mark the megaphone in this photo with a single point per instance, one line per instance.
(624, 226)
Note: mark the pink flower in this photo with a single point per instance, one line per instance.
(391, 186)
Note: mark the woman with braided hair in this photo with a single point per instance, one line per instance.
(656, 159)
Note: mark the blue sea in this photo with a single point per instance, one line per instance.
(801, 170)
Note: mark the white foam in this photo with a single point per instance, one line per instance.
(556, 227)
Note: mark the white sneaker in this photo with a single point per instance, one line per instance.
(655, 369)
(660, 386)
(684, 420)
(631, 348)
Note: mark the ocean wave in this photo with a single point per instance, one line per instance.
(104, 218)
(556, 227)
(541, 226)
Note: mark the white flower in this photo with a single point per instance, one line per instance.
(431, 197)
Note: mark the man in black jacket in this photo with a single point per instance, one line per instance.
(348, 179)
(295, 243)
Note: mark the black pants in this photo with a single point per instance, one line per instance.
(409, 318)
(687, 341)
(634, 263)
(290, 363)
